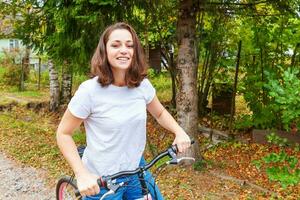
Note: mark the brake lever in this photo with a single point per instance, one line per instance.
(176, 161)
(172, 153)
(186, 158)
(112, 188)
(107, 193)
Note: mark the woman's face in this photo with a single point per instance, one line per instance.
(119, 49)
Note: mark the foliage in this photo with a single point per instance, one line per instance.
(69, 30)
(222, 88)
(202, 165)
(162, 83)
(77, 80)
(273, 138)
(280, 167)
(285, 96)
(12, 75)
(2, 71)
(281, 105)
(283, 175)
(11, 61)
(44, 78)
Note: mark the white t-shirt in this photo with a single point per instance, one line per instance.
(115, 124)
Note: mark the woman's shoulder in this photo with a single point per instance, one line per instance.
(146, 85)
(92, 82)
(145, 82)
(147, 89)
(89, 85)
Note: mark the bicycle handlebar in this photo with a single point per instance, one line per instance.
(171, 152)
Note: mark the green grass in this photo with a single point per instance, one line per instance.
(162, 83)
(44, 79)
(2, 71)
(79, 137)
(28, 94)
(5, 101)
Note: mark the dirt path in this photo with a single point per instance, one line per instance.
(24, 183)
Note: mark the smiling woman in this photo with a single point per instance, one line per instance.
(113, 106)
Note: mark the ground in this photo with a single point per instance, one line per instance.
(20, 182)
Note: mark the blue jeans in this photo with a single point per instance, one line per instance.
(133, 191)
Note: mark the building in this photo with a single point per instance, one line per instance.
(14, 46)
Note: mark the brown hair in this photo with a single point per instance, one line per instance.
(100, 66)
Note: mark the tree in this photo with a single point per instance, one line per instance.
(66, 84)
(273, 35)
(54, 87)
(186, 101)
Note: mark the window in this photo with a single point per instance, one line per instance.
(14, 44)
(11, 44)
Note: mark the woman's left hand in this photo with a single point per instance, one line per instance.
(183, 141)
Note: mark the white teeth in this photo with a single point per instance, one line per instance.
(123, 58)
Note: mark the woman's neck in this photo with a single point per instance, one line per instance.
(119, 78)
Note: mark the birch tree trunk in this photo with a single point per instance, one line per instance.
(25, 69)
(39, 74)
(66, 88)
(186, 100)
(54, 87)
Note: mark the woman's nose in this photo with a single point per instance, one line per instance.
(124, 49)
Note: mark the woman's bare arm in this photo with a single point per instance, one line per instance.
(165, 119)
(87, 182)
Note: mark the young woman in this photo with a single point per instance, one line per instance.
(113, 107)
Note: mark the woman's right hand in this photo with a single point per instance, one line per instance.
(87, 183)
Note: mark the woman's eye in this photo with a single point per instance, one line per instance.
(130, 46)
(114, 45)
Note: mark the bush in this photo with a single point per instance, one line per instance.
(280, 167)
(274, 103)
(11, 72)
(12, 75)
(285, 97)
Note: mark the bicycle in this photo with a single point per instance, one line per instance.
(66, 187)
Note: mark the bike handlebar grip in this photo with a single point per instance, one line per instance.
(175, 148)
(77, 193)
(99, 182)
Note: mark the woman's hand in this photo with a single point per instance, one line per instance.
(183, 141)
(87, 184)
